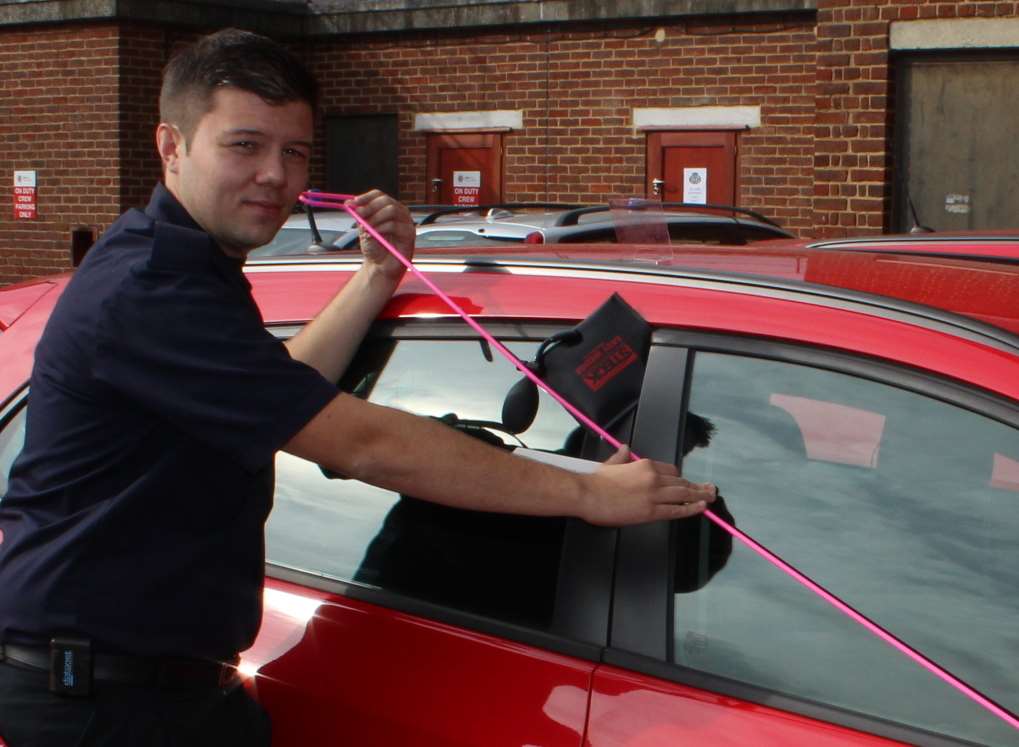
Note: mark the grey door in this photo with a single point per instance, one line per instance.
(957, 142)
(361, 153)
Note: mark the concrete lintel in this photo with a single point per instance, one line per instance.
(272, 17)
(496, 119)
(364, 16)
(53, 11)
(325, 17)
(954, 33)
(697, 117)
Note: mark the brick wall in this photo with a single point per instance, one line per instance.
(143, 53)
(577, 88)
(853, 162)
(58, 116)
(78, 106)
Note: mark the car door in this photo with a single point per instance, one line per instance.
(894, 489)
(390, 620)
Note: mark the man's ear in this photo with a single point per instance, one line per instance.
(171, 146)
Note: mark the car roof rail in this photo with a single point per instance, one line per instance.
(441, 210)
(572, 217)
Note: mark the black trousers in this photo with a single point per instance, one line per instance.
(126, 715)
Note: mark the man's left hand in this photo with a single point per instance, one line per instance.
(392, 220)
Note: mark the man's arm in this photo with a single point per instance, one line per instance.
(418, 456)
(421, 457)
(329, 341)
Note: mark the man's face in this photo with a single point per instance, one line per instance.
(244, 168)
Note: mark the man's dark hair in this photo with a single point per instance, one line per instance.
(231, 58)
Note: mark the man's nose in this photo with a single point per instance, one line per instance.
(271, 170)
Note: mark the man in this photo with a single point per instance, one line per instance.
(132, 563)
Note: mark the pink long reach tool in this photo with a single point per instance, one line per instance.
(339, 201)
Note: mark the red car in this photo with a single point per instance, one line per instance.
(984, 244)
(864, 425)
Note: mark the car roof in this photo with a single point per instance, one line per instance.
(990, 244)
(950, 318)
(985, 291)
(820, 294)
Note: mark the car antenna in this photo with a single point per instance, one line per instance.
(316, 236)
(917, 227)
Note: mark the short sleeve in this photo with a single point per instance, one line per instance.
(191, 348)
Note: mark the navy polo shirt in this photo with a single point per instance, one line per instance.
(135, 514)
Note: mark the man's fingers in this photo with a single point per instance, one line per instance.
(386, 214)
(632, 492)
(392, 225)
(391, 220)
(682, 494)
(664, 468)
(362, 201)
(667, 511)
(379, 209)
(622, 456)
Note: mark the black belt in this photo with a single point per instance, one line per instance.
(153, 671)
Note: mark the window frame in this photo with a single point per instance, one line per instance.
(11, 408)
(641, 634)
(12, 404)
(588, 561)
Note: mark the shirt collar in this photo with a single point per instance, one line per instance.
(163, 206)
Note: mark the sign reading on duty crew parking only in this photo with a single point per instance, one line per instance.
(24, 195)
(466, 187)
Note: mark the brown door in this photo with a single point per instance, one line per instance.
(697, 167)
(464, 168)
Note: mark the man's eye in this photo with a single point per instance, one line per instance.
(295, 153)
(243, 145)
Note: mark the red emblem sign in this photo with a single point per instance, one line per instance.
(606, 361)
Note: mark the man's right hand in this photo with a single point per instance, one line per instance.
(429, 460)
(624, 491)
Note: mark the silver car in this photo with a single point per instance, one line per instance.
(631, 221)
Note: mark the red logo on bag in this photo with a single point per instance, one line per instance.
(605, 362)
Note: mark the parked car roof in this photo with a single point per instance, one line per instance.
(509, 223)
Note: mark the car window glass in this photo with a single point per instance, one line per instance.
(463, 238)
(603, 235)
(903, 505)
(296, 241)
(493, 564)
(12, 439)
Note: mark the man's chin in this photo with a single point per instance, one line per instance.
(239, 245)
